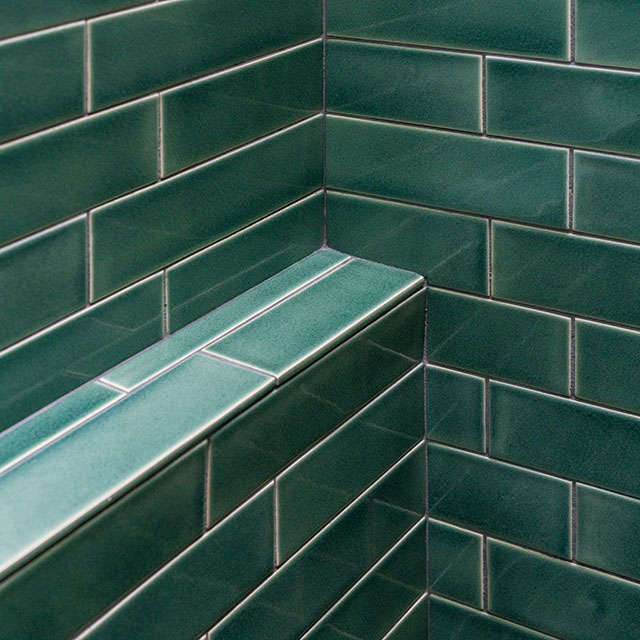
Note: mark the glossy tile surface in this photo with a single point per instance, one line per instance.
(502, 341)
(413, 625)
(448, 249)
(402, 83)
(500, 499)
(399, 162)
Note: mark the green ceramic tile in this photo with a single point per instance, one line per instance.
(566, 272)
(606, 193)
(314, 579)
(130, 56)
(219, 273)
(401, 83)
(500, 499)
(77, 350)
(258, 444)
(328, 477)
(560, 598)
(564, 437)
(210, 116)
(140, 234)
(448, 170)
(200, 585)
(116, 450)
(538, 29)
(42, 81)
(499, 340)
(455, 408)
(106, 557)
(590, 108)
(42, 279)
(205, 330)
(455, 563)
(414, 624)
(448, 249)
(49, 177)
(607, 365)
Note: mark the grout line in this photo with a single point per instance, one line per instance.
(111, 385)
(485, 576)
(572, 32)
(88, 252)
(165, 303)
(572, 359)
(87, 68)
(324, 123)
(487, 416)
(207, 524)
(574, 520)
(483, 94)
(276, 526)
(233, 361)
(160, 137)
(491, 258)
(571, 191)
(42, 232)
(403, 617)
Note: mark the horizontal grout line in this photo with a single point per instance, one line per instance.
(42, 32)
(234, 362)
(16, 244)
(404, 616)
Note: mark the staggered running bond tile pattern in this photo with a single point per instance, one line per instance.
(494, 147)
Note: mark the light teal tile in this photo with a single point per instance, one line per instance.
(414, 625)
(448, 170)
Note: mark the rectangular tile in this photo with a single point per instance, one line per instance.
(414, 623)
(448, 249)
(499, 340)
(398, 161)
(560, 598)
(590, 108)
(427, 87)
(48, 177)
(147, 231)
(210, 116)
(500, 499)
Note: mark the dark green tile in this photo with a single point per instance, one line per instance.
(455, 563)
(140, 234)
(414, 624)
(455, 408)
(448, 249)
(500, 499)
(219, 273)
(79, 349)
(401, 83)
(591, 108)
(188, 596)
(560, 598)
(448, 170)
(42, 279)
(212, 115)
(132, 53)
(538, 29)
(106, 557)
(52, 176)
(42, 81)
(258, 444)
(564, 437)
(566, 272)
(607, 365)
(329, 476)
(499, 340)
(607, 190)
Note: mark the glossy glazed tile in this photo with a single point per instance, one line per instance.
(413, 625)
(591, 108)
(448, 170)
(401, 83)
(42, 81)
(49, 177)
(324, 570)
(328, 477)
(187, 596)
(499, 340)
(559, 598)
(116, 450)
(78, 349)
(455, 563)
(42, 279)
(448, 249)
(219, 273)
(140, 234)
(258, 444)
(606, 192)
(210, 116)
(539, 28)
(566, 272)
(564, 437)
(607, 365)
(500, 499)
(106, 557)
(455, 408)
(130, 55)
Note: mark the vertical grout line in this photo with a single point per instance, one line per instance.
(276, 526)
(574, 521)
(324, 120)
(160, 138)
(88, 249)
(483, 94)
(165, 304)
(490, 252)
(485, 576)
(487, 417)
(572, 31)
(207, 487)
(426, 451)
(87, 68)
(571, 190)
(572, 359)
